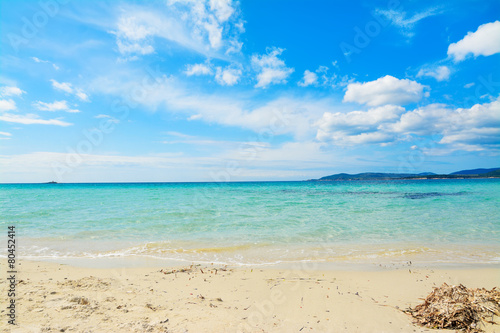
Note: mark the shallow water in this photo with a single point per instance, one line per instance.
(434, 221)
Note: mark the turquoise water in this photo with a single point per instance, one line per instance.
(454, 221)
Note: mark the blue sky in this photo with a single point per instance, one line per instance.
(218, 90)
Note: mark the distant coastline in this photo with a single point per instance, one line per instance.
(463, 174)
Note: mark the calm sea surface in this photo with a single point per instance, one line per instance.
(430, 221)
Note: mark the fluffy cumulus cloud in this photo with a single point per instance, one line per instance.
(309, 78)
(475, 128)
(440, 73)
(484, 41)
(68, 88)
(228, 76)
(270, 68)
(55, 106)
(472, 129)
(357, 127)
(385, 90)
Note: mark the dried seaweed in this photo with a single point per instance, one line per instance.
(457, 307)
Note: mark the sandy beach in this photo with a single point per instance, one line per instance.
(53, 297)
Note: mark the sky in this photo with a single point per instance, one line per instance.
(220, 90)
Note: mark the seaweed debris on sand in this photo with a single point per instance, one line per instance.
(457, 307)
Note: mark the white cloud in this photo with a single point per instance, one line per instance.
(476, 126)
(222, 8)
(68, 88)
(134, 33)
(30, 119)
(7, 91)
(286, 114)
(63, 86)
(228, 76)
(214, 34)
(206, 27)
(484, 41)
(472, 129)
(385, 90)
(195, 117)
(5, 134)
(321, 77)
(469, 85)
(55, 106)
(38, 60)
(270, 69)
(234, 46)
(301, 116)
(7, 105)
(198, 69)
(440, 73)
(309, 78)
(425, 120)
(357, 127)
(406, 24)
(81, 95)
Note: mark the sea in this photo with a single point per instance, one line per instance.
(427, 222)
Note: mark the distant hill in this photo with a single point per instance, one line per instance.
(476, 173)
(374, 176)
(495, 173)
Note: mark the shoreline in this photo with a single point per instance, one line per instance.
(326, 255)
(53, 297)
(151, 262)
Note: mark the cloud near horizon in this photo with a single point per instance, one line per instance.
(471, 129)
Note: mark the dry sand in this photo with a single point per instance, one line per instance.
(61, 298)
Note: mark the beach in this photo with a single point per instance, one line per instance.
(249, 166)
(242, 257)
(216, 298)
